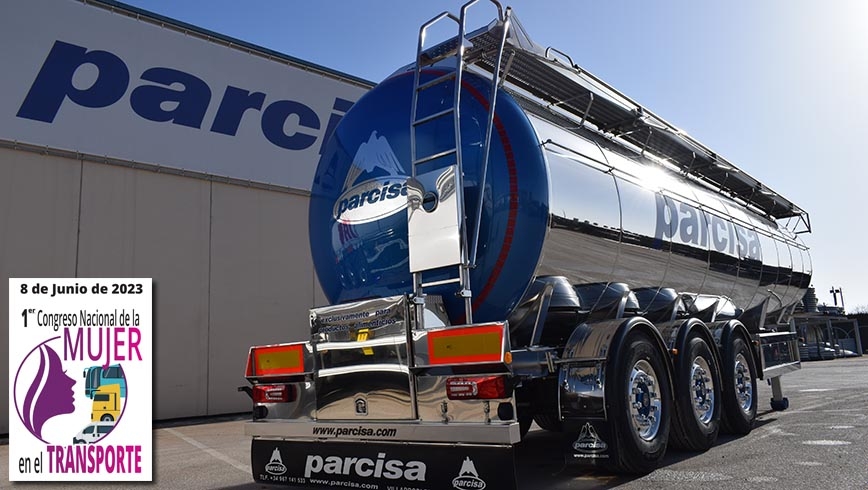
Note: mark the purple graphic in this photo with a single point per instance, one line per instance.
(50, 392)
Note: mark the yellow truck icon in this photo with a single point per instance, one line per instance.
(106, 403)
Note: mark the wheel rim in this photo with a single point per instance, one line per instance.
(743, 384)
(702, 390)
(645, 401)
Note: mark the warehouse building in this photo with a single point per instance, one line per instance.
(132, 145)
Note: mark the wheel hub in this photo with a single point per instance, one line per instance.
(743, 385)
(645, 400)
(702, 390)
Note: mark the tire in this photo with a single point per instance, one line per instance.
(739, 388)
(697, 397)
(548, 422)
(106, 418)
(640, 421)
(524, 423)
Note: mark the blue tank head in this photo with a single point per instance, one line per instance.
(358, 216)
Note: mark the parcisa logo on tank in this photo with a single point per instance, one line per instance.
(376, 184)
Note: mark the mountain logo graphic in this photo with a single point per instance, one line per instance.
(467, 477)
(275, 466)
(374, 158)
(589, 441)
(376, 184)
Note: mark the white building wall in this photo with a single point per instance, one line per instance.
(137, 223)
(261, 282)
(231, 264)
(218, 221)
(38, 226)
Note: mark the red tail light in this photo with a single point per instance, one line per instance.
(476, 388)
(273, 393)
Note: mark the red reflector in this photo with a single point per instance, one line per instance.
(276, 360)
(476, 388)
(462, 345)
(273, 393)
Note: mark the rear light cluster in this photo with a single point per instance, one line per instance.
(274, 393)
(476, 388)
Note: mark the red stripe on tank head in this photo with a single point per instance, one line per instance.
(513, 198)
(512, 173)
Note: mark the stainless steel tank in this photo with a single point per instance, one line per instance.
(557, 202)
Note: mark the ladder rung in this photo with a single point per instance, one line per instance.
(434, 156)
(442, 51)
(425, 119)
(440, 283)
(436, 81)
(429, 57)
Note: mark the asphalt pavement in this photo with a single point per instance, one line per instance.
(821, 441)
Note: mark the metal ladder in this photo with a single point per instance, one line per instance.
(425, 58)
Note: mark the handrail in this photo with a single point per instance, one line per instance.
(466, 261)
(487, 146)
(558, 51)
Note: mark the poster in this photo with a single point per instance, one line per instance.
(80, 387)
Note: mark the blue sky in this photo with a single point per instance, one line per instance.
(776, 87)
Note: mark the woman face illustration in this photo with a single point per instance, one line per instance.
(56, 394)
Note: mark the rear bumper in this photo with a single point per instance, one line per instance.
(414, 432)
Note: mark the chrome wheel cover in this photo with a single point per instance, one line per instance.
(743, 383)
(702, 390)
(644, 400)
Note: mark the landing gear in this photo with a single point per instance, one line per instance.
(780, 405)
(779, 401)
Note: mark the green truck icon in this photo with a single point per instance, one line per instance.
(96, 376)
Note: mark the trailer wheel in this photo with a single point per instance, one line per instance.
(524, 423)
(548, 422)
(697, 397)
(640, 405)
(739, 388)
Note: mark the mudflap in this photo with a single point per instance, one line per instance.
(590, 443)
(382, 466)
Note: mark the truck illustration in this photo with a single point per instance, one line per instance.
(505, 238)
(107, 404)
(96, 376)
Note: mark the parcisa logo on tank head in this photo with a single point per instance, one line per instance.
(53, 410)
(376, 184)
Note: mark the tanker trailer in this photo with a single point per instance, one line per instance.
(504, 238)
